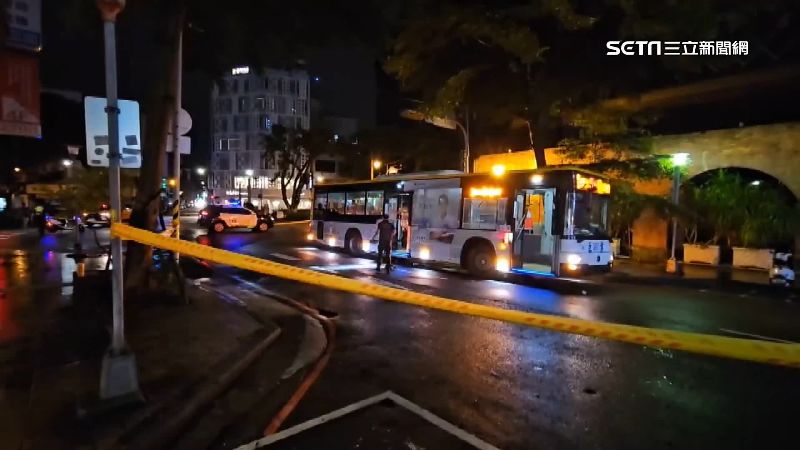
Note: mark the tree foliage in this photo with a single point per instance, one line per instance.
(415, 148)
(544, 62)
(292, 153)
(89, 189)
(740, 213)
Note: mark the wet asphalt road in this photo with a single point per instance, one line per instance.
(514, 387)
(523, 388)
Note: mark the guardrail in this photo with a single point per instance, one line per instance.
(736, 348)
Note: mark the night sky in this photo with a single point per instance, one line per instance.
(351, 85)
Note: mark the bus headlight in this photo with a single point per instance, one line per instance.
(365, 246)
(424, 253)
(332, 241)
(502, 265)
(573, 259)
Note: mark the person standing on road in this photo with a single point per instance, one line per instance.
(385, 233)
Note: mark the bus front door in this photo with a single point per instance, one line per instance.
(534, 243)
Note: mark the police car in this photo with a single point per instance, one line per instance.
(220, 218)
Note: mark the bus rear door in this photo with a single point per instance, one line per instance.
(398, 208)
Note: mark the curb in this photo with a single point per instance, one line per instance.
(716, 285)
(207, 393)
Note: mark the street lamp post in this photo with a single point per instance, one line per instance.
(679, 160)
(450, 124)
(375, 164)
(118, 377)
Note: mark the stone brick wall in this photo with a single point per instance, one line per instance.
(772, 149)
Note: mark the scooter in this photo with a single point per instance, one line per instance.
(782, 272)
(56, 224)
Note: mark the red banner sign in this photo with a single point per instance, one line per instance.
(19, 94)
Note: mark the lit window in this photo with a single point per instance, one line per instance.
(356, 203)
(374, 203)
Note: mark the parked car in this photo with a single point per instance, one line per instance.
(221, 218)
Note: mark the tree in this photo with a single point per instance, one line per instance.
(292, 153)
(216, 37)
(415, 146)
(541, 64)
(89, 189)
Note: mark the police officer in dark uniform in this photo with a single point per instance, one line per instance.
(385, 233)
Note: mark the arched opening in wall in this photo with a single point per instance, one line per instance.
(736, 207)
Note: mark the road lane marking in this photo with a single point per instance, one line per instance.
(757, 336)
(441, 423)
(361, 404)
(715, 345)
(284, 256)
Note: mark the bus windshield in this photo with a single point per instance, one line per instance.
(591, 215)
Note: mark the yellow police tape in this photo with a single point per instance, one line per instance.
(745, 349)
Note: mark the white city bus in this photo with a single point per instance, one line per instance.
(547, 222)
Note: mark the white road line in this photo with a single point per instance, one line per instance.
(388, 395)
(314, 422)
(441, 423)
(285, 256)
(757, 336)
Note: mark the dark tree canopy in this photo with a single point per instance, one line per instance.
(542, 62)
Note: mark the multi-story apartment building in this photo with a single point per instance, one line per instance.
(245, 105)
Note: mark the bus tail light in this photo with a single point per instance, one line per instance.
(502, 265)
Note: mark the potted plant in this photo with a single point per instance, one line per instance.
(769, 220)
(690, 216)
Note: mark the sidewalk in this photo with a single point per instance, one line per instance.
(186, 355)
(695, 276)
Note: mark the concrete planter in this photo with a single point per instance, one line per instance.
(701, 254)
(753, 258)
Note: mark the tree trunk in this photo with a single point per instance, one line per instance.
(283, 193)
(159, 109)
(544, 136)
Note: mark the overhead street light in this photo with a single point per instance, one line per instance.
(200, 170)
(679, 160)
(17, 170)
(376, 165)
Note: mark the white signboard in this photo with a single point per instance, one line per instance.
(130, 140)
(184, 144)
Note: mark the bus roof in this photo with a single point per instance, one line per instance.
(440, 175)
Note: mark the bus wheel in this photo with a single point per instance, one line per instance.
(352, 243)
(480, 260)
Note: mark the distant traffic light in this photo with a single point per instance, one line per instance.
(172, 182)
(164, 183)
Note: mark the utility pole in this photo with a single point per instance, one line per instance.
(176, 154)
(118, 378)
